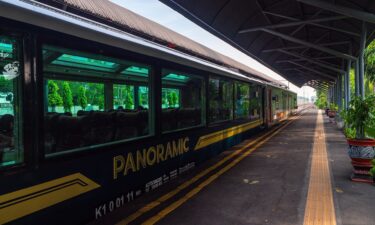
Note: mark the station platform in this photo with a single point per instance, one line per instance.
(297, 173)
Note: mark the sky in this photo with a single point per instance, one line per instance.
(162, 14)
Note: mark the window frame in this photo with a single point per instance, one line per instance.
(26, 139)
(203, 96)
(227, 79)
(120, 54)
(236, 82)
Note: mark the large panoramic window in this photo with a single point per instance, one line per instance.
(242, 104)
(90, 99)
(74, 97)
(11, 149)
(182, 100)
(123, 96)
(220, 92)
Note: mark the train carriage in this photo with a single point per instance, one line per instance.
(92, 117)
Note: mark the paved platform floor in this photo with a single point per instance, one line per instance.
(268, 186)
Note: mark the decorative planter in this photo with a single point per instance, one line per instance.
(361, 151)
(331, 113)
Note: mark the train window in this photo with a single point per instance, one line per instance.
(182, 100)
(123, 96)
(90, 100)
(143, 97)
(255, 102)
(242, 95)
(220, 99)
(170, 98)
(73, 97)
(11, 149)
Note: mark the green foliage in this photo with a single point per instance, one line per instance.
(173, 99)
(321, 101)
(372, 170)
(82, 99)
(54, 98)
(6, 85)
(333, 107)
(67, 97)
(143, 97)
(370, 132)
(360, 115)
(128, 101)
(170, 98)
(370, 62)
(350, 132)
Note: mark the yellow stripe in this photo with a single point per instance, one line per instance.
(186, 184)
(319, 204)
(196, 190)
(223, 134)
(26, 201)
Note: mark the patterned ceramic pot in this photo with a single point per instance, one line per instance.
(361, 151)
(361, 148)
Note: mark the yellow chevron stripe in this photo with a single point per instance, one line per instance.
(223, 134)
(26, 201)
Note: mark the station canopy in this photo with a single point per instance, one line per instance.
(109, 13)
(309, 42)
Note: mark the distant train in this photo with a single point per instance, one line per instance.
(93, 117)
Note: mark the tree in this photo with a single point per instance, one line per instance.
(67, 97)
(174, 99)
(82, 99)
(128, 97)
(54, 98)
(370, 61)
(370, 68)
(321, 101)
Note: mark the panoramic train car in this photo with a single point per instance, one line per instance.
(92, 117)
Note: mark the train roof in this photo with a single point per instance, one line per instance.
(109, 13)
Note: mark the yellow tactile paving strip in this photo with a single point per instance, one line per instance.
(319, 204)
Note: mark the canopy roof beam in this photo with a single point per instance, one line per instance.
(311, 75)
(301, 47)
(313, 70)
(290, 24)
(310, 45)
(298, 60)
(357, 14)
(314, 62)
(314, 22)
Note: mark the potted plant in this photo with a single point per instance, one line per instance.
(359, 119)
(332, 110)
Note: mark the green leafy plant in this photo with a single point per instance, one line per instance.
(321, 101)
(333, 107)
(372, 170)
(360, 116)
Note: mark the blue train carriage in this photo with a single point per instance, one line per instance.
(92, 118)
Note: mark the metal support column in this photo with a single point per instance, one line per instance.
(339, 92)
(361, 59)
(356, 78)
(347, 85)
